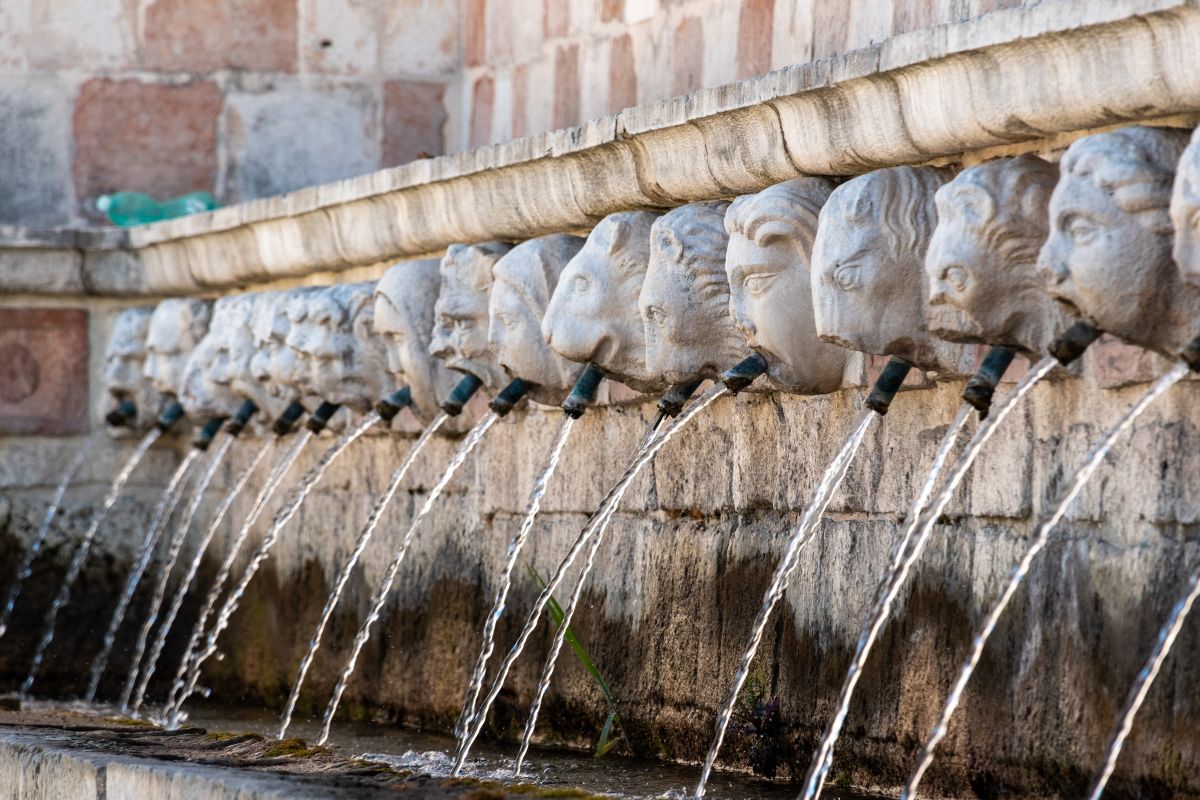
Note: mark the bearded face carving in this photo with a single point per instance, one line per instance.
(1108, 258)
(768, 263)
(176, 327)
(870, 289)
(210, 372)
(124, 359)
(523, 282)
(982, 261)
(593, 314)
(460, 333)
(274, 366)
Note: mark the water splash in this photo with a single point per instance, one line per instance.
(290, 506)
(39, 538)
(158, 523)
(81, 554)
(647, 449)
(174, 547)
(343, 577)
(514, 551)
(834, 474)
(235, 547)
(364, 632)
(1141, 687)
(1040, 537)
(906, 552)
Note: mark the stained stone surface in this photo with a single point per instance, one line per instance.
(43, 371)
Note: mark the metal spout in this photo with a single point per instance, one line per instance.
(170, 415)
(394, 403)
(208, 433)
(1191, 354)
(284, 423)
(982, 386)
(583, 393)
(238, 422)
(676, 397)
(510, 395)
(1072, 342)
(743, 373)
(462, 393)
(320, 418)
(887, 384)
(124, 414)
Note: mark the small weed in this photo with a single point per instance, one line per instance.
(134, 723)
(294, 746)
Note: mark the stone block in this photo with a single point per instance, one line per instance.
(339, 37)
(622, 75)
(755, 30)
(95, 35)
(475, 33)
(687, 56)
(414, 121)
(483, 96)
(1112, 363)
(146, 137)
(566, 86)
(421, 38)
(41, 271)
(43, 371)
(556, 18)
(35, 151)
(296, 136)
(203, 35)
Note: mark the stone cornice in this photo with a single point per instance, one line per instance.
(1008, 77)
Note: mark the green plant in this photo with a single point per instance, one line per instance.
(555, 612)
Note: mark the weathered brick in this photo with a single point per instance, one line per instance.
(199, 35)
(483, 96)
(35, 147)
(70, 34)
(611, 10)
(622, 75)
(499, 27)
(755, 28)
(414, 119)
(146, 137)
(830, 29)
(520, 101)
(340, 36)
(475, 32)
(556, 18)
(297, 136)
(420, 37)
(687, 56)
(913, 15)
(1113, 364)
(43, 371)
(566, 86)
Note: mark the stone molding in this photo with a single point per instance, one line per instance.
(1007, 77)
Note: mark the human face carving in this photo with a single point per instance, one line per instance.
(124, 359)
(342, 361)
(210, 372)
(176, 327)
(461, 312)
(273, 363)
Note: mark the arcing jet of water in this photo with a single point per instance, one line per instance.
(39, 538)
(291, 505)
(81, 554)
(1037, 543)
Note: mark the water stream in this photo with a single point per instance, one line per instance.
(514, 551)
(343, 577)
(158, 523)
(908, 549)
(81, 554)
(830, 481)
(291, 505)
(647, 449)
(1037, 543)
(235, 547)
(174, 547)
(39, 538)
(381, 594)
(160, 639)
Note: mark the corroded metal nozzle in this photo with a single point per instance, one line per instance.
(1073, 341)
(982, 386)
(239, 420)
(170, 415)
(394, 403)
(510, 395)
(209, 432)
(743, 373)
(124, 414)
(320, 418)
(461, 394)
(887, 384)
(284, 423)
(676, 397)
(583, 393)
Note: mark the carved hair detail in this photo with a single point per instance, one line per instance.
(535, 276)
(897, 200)
(626, 237)
(405, 288)
(785, 210)
(695, 235)
(470, 265)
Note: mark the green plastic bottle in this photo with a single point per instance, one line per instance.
(137, 208)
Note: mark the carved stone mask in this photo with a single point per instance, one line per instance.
(404, 302)
(870, 290)
(274, 365)
(124, 359)
(593, 313)
(214, 364)
(1185, 212)
(523, 282)
(176, 327)
(982, 261)
(460, 332)
(1108, 257)
(768, 264)
(343, 362)
(684, 300)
